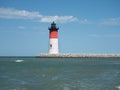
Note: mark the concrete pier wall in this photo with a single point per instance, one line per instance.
(80, 55)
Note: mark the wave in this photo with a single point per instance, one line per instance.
(118, 87)
(19, 60)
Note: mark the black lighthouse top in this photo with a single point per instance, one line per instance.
(53, 26)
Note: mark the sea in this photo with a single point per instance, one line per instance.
(32, 73)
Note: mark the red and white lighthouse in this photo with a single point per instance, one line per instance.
(53, 36)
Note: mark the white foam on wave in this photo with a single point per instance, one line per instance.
(19, 60)
(118, 87)
(66, 88)
(55, 78)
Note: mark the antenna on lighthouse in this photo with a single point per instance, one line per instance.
(53, 38)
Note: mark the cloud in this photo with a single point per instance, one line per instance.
(85, 21)
(95, 35)
(9, 13)
(111, 21)
(108, 21)
(61, 19)
(105, 36)
(21, 27)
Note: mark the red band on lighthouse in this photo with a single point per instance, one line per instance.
(53, 34)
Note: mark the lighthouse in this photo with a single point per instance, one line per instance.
(53, 39)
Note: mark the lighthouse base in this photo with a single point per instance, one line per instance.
(53, 47)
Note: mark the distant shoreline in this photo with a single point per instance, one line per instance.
(79, 56)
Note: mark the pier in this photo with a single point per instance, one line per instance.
(79, 56)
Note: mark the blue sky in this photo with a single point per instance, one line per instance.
(85, 26)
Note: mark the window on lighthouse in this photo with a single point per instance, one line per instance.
(50, 45)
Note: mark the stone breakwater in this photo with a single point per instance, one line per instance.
(79, 55)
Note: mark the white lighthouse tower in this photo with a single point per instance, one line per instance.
(53, 36)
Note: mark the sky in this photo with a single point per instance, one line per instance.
(85, 26)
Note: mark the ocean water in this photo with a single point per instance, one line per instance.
(30, 73)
